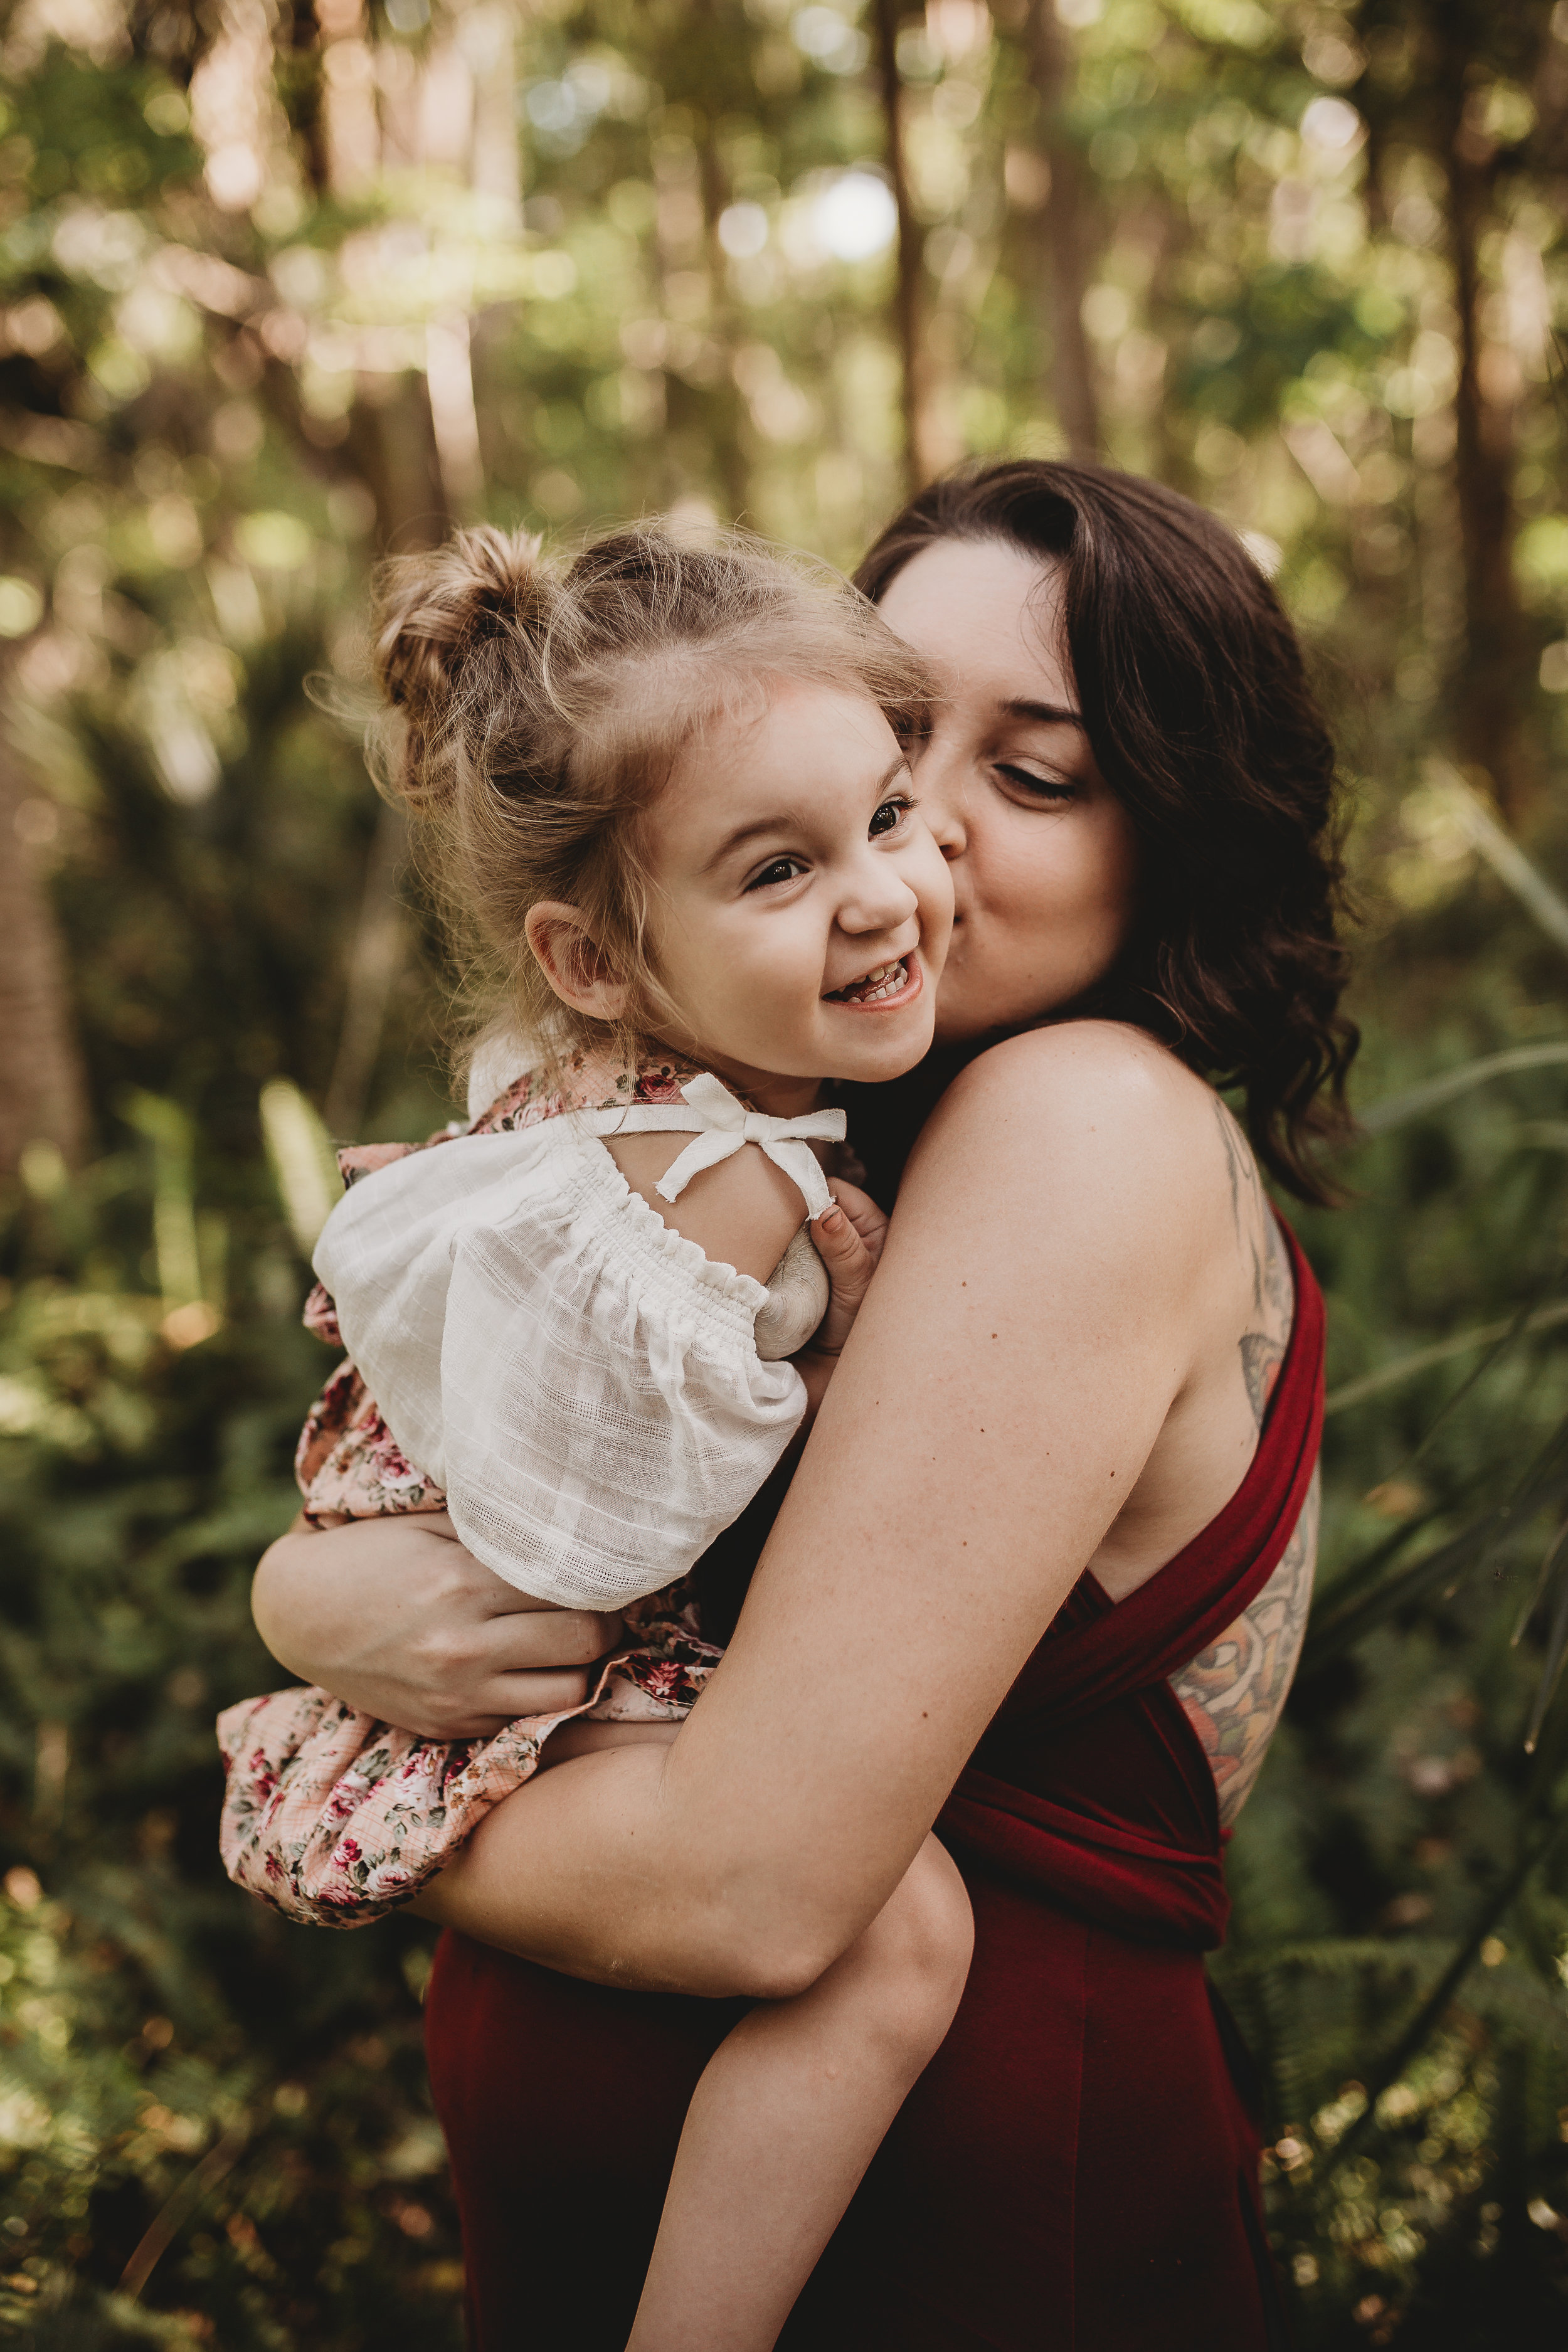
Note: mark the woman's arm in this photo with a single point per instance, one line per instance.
(394, 1616)
(1036, 1314)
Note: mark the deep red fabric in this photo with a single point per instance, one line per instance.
(1077, 2168)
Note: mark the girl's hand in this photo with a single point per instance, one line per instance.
(395, 1617)
(849, 1239)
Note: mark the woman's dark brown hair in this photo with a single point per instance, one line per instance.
(1199, 715)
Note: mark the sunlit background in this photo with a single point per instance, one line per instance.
(285, 287)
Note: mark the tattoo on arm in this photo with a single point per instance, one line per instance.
(1273, 1301)
(1235, 1691)
(1246, 1191)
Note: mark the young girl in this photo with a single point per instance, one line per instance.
(669, 794)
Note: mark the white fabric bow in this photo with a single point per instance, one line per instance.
(725, 1124)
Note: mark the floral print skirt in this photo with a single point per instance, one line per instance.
(335, 1819)
(328, 1815)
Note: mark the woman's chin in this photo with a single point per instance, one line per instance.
(957, 1024)
(970, 1015)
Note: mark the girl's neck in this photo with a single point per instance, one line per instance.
(764, 1090)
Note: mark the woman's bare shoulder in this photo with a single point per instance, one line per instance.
(1096, 1105)
(1094, 1060)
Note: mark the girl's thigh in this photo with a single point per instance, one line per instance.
(561, 2104)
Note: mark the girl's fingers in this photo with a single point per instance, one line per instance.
(863, 1215)
(840, 1247)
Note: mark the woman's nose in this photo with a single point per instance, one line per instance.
(940, 785)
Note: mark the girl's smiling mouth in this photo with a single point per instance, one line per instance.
(885, 987)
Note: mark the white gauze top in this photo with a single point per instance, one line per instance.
(581, 1379)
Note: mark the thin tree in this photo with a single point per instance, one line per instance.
(1066, 234)
(1491, 680)
(42, 1098)
(920, 455)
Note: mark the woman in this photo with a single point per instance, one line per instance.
(1044, 1568)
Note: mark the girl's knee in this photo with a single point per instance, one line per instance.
(919, 1947)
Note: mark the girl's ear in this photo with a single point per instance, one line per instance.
(573, 961)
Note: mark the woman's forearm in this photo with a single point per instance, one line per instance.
(580, 1871)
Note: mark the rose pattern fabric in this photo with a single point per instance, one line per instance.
(328, 1815)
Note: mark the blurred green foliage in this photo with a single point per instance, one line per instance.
(285, 286)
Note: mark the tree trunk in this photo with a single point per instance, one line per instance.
(376, 959)
(734, 475)
(921, 455)
(43, 1096)
(1066, 237)
(393, 445)
(1491, 680)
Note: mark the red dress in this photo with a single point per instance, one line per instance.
(1075, 2171)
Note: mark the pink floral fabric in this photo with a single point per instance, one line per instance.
(328, 1815)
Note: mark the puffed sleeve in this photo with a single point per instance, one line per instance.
(581, 1380)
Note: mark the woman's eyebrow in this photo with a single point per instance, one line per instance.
(1048, 714)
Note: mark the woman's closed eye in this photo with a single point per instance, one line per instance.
(1036, 783)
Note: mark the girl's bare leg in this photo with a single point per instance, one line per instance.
(794, 2104)
(789, 2112)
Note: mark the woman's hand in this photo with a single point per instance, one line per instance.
(395, 1617)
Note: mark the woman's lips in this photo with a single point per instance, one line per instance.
(887, 998)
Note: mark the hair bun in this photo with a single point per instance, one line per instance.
(433, 609)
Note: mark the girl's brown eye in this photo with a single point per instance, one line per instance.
(783, 869)
(888, 817)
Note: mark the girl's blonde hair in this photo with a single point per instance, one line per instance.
(538, 708)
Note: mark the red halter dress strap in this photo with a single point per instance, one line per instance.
(1091, 1787)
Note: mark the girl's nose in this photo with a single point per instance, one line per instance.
(878, 900)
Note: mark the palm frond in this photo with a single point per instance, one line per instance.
(1435, 1094)
(1546, 1480)
(1492, 1335)
(1549, 1560)
(1552, 1668)
(1534, 1851)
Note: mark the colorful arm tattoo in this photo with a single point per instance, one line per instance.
(1235, 1690)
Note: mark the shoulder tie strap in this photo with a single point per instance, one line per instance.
(723, 1126)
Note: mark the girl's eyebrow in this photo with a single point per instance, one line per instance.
(782, 822)
(1048, 714)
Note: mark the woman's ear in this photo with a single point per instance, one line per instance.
(573, 961)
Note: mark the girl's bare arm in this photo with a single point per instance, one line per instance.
(1038, 1308)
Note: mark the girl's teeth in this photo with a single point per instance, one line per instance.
(886, 980)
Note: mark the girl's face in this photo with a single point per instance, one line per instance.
(802, 909)
(1041, 851)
